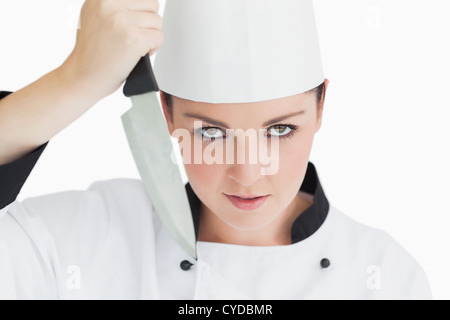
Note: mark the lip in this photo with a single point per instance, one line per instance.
(249, 196)
(247, 205)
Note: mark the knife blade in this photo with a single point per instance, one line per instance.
(150, 143)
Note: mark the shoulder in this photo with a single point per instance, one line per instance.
(45, 236)
(98, 196)
(379, 253)
(375, 242)
(352, 230)
(121, 191)
(91, 210)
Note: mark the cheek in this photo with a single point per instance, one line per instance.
(204, 178)
(206, 181)
(298, 151)
(294, 157)
(203, 173)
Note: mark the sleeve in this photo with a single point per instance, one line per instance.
(51, 245)
(80, 244)
(14, 175)
(420, 286)
(4, 94)
(403, 276)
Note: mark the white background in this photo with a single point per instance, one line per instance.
(382, 153)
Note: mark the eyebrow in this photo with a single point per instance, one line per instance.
(223, 124)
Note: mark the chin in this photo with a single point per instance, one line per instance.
(249, 224)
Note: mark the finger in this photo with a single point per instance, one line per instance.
(146, 20)
(142, 5)
(150, 40)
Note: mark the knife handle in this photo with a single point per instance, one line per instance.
(142, 79)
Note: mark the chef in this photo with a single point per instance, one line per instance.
(231, 64)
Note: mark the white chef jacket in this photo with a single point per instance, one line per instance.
(107, 242)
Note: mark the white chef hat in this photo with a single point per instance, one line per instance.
(237, 51)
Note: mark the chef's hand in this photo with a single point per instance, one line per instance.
(113, 36)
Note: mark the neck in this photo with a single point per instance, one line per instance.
(277, 233)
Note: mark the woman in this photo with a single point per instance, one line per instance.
(260, 235)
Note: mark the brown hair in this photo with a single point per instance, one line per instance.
(318, 91)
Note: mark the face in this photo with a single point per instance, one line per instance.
(213, 182)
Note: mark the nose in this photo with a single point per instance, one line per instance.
(246, 171)
(245, 174)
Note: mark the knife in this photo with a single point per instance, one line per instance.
(150, 143)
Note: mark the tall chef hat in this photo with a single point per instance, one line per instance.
(237, 51)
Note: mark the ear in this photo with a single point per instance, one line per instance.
(321, 106)
(169, 120)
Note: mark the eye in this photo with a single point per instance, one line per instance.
(280, 130)
(211, 133)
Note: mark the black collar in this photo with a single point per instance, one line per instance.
(305, 225)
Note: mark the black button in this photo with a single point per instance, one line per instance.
(185, 265)
(325, 263)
